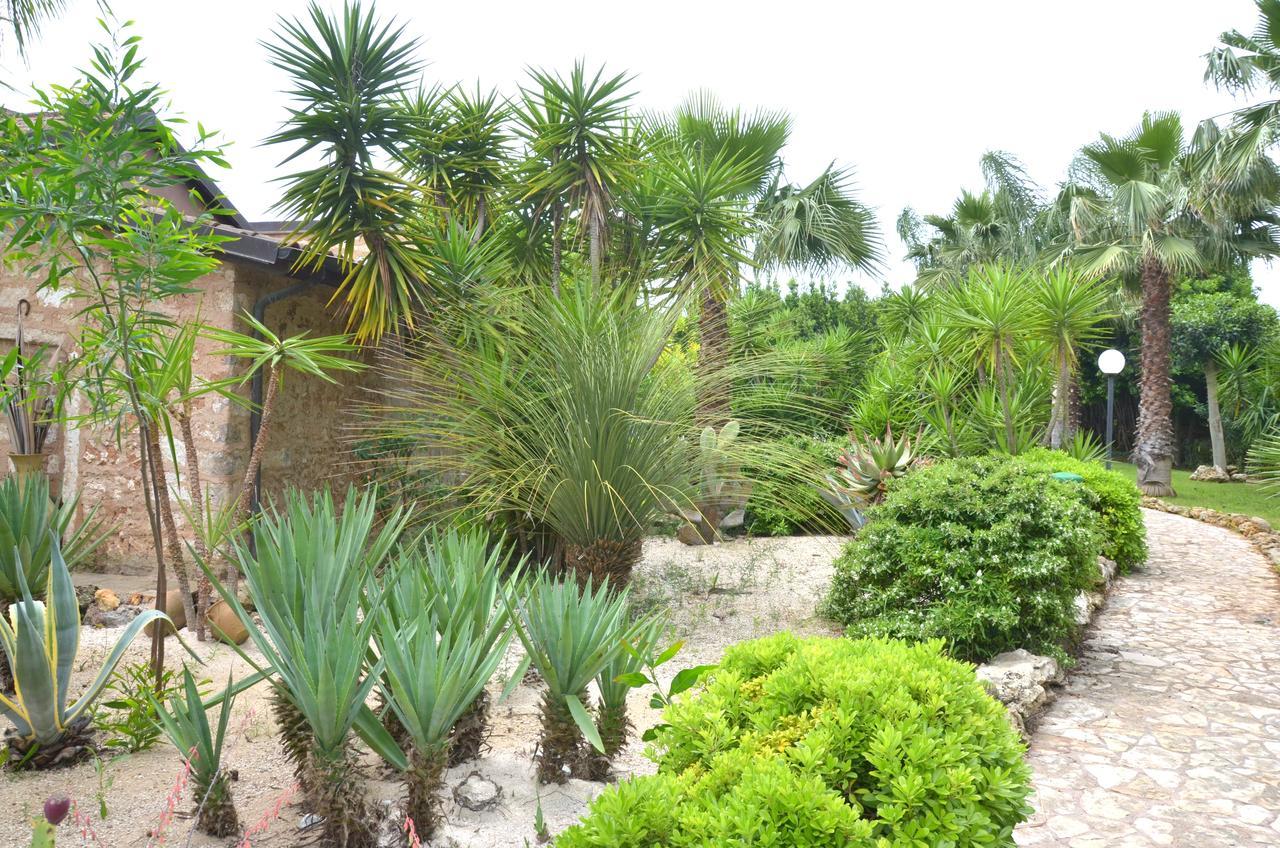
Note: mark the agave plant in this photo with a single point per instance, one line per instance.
(868, 466)
(29, 525)
(185, 721)
(308, 581)
(571, 633)
(40, 641)
(614, 681)
(433, 670)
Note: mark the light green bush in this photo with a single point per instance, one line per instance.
(983, 553)
(824, 742)
(1116, 500)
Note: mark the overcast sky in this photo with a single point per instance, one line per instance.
(909, 93)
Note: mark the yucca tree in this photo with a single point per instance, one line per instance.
(1148, 205)
(574, 128)
(571, 633)
(185, 720)
(994, 315)
(349, 74)
(433, 670)
(310, 578)
(1073, 311)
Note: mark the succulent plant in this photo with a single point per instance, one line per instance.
(185, 720)
(868, 466)
(40, 640)
(721, 486)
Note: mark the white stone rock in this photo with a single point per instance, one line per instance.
(1021, 680)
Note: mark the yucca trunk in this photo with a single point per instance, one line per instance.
(471, 732)
(1153, 453)
(295, 738)
(161, 485)
(713, 344)
(1060, 414)
(217, 815)
(338, 795)
(613, 726)
(1002, 385)
(204, 587)
(1216, 438)
(424, 779)
(604, 558)
(560, 743)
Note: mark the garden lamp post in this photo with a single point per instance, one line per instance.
(1111, 363)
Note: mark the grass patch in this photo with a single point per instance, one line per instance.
(1246, 498)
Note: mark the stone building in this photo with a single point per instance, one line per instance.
(307, 446)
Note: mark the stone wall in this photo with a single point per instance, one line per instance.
(307, 447)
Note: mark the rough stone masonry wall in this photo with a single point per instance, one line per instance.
(307, 448)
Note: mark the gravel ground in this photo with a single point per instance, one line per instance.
(716, 596)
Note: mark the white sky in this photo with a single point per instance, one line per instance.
(909, 93)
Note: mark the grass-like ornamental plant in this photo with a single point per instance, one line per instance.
(308, 581)
(1112, 496)
(29, 523)
(571, 633)
(983, 553)
(819, 742)
(431, 677)
(185, 720)
(40, 640)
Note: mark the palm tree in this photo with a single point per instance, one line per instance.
(1149, 205)
(574, 129)
(1072, 311)
(1243, 64)
(23, 19)
(722, 202)
(349, 75)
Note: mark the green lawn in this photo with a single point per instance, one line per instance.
(1225, 497)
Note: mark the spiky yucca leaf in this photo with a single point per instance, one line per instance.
(185, 721)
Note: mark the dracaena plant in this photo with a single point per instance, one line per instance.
(185, 720)
(570, 633)
(308, 580)
(867, 467)
(40, 639)
(433, 670)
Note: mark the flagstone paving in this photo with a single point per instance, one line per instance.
(1168, 730)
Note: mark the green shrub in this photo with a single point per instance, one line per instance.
(785, 500)
(824, 742)
(983, 553)
(1116, 500)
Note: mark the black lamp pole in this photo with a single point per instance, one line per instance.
(1111, 403)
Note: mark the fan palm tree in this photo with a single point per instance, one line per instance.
(574, 129)
(1149, 205)
(723, 202)
(349, 73)
(1243, 64)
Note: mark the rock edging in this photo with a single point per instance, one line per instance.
(1028, 683)
(1257, 530)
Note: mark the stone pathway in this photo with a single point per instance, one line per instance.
(1168, 730)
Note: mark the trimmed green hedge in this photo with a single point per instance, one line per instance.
(985, 553)
(1117, 502)
(820, 742)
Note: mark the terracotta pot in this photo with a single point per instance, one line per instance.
(174, 609)
(225, 624)
(26, 464)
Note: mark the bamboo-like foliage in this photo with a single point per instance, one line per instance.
(571, 633)
(308, 581)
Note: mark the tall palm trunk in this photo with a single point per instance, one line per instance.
(1216, 438)
(713, 344)
(1153, 452)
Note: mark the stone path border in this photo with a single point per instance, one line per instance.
(1167, 732)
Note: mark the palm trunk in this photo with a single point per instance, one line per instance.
(1216, 438)
(713, 340)
(204, 588)
(1002, 384)
(1153, 452)
(176, 560)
